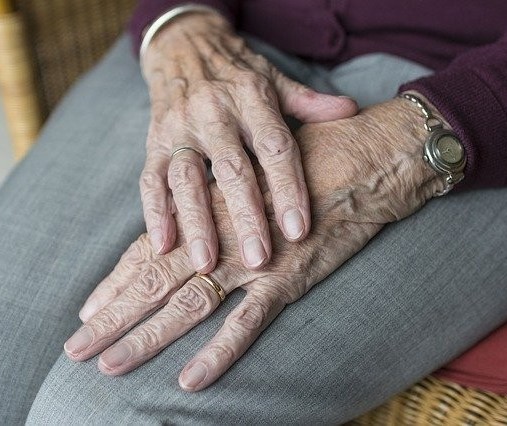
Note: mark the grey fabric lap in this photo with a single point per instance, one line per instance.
(419, 294)
(66, 214)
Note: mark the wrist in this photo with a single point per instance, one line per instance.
(198, 22)
(443, 150)
(172, 35)
(376, 154)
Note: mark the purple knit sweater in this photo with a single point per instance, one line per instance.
(464, 41)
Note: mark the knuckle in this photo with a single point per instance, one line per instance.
(178, 84)
(274, 144)
(191, 303)
(152, 211)
(221, 354)
(258, 89)
(246, 320)
(248, 216)
(251, 80)
(109, 320)
(219, 120)
(159, 108)
(154, 203)
(286, 191)
(140, 252)
(140, 244)
(136, 254)
(239, 45)
(228, 166)
(148, 336)
(261, 61)
(150, 180)
(184, 171)
(309, 94)
(152, 284)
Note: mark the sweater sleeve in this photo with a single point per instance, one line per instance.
(471, 93)
(147, 11)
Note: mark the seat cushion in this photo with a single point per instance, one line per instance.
(484, 366)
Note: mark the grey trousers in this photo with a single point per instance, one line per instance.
(419, 294)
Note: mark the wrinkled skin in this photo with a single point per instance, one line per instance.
(210, 92)
(362, 173)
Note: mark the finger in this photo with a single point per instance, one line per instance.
(309, 106)
(126, 271)
(279, 156)
(157, 202)
(188, 181)
(236, 179)
(190, 305)
(156, 197)
(239, 332)
(153, 287)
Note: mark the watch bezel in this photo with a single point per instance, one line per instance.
(432, 157)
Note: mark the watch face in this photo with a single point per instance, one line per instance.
(449, 149)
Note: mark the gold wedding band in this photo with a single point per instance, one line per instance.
(217, 287)
(185, 148)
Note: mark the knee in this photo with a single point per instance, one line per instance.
(78, 394)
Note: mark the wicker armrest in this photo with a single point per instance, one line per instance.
(17, 82)
(45, 45)
(438, 403)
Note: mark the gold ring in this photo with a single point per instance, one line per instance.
(185, 148)
(217, 287)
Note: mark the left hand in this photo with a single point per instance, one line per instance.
(218, 99)
(361, 172)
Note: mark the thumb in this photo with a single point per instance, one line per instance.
(309, 106)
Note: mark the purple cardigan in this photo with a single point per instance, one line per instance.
(464, 41)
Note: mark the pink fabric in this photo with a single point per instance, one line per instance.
(483, 367)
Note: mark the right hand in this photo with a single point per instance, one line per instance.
(212, 93)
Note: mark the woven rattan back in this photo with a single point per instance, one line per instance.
(435, 402)
(67, 37)
(44, 46)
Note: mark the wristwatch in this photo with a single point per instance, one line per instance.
(443, 150)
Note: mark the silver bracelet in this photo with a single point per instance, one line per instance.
(163, 20)
(443, 150)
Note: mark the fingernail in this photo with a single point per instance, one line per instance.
(293, 224)
(201, 256)
(254, 252)
(194, 375)
(79, 341)
(157, 240)
(116, 356)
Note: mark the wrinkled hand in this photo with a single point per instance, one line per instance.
(361, 172)
(211, 93)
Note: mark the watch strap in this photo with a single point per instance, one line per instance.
(443, 150)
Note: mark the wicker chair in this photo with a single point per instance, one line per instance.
(46, 44)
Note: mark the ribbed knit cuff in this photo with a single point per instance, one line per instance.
(148, 11)
(478, 118)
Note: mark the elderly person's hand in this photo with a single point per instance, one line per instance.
(362, 173)
(211, 93)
